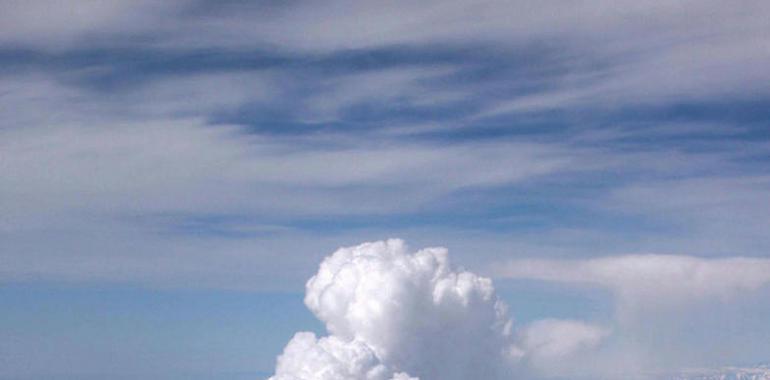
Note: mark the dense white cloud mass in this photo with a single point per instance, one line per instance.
(332, 358)
(389, 312)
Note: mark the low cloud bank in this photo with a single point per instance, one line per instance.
(391, 314)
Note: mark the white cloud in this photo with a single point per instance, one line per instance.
(75, 162)
(662, 277)
(553, 339)
(389, 311)
(670, 311)
(183, 166)
(623, 52)
(78, 164)
(58, 25)
(81, 163)
(143, 152)
(550, 346)
(78, 168)
(615, 52)
(306, 357)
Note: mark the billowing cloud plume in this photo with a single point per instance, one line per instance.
(307, 357)
(390, 313)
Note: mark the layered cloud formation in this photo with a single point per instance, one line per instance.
(652, 275)
(395, 315)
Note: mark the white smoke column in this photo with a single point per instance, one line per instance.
(390, 313)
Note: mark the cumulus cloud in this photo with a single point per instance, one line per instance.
(390, 313)
(307, 357)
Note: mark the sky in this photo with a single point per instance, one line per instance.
(172, 173)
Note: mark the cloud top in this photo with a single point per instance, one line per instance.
(390, 313)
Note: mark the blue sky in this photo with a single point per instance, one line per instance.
(171, 173)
